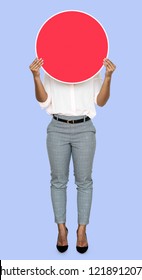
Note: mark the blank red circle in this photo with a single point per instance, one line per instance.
(73, 45)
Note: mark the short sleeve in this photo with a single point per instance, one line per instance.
(47, 86)
(97, 84)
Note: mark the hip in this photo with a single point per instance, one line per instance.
(70, 128)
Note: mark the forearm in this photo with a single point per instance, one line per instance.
(40, 93)
(104, 93)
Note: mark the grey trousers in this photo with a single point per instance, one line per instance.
(63, 141)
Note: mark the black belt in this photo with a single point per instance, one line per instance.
(72, 121)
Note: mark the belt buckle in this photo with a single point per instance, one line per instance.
(70, 121)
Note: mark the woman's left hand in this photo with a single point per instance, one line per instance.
(110, 67)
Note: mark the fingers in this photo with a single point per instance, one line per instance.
(109, 64)
(110, 67)
(36, 64)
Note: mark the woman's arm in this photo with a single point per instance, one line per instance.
(104, 93)
(41, 94)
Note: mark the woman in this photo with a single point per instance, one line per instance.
(71, 133)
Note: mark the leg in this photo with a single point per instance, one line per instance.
(59, 153)
(83, 153)
(83, 150)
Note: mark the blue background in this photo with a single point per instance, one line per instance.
(28, 230)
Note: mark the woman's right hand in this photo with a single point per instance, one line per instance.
(35, 67)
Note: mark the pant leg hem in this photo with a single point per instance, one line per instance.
(60, 222)
(83, 223)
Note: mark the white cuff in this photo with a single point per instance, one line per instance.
(44, 104)
(95, 99)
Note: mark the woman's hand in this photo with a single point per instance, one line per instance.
(41, 94)
(104, 93)
(110, 67)
(35, 67)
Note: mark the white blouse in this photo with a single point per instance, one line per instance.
(71, 99)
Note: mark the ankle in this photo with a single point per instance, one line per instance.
(61, 227)
(81, 229)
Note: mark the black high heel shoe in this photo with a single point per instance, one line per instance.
(63, 248)
(82, 250)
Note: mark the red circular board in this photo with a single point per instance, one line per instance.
(73, 45)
